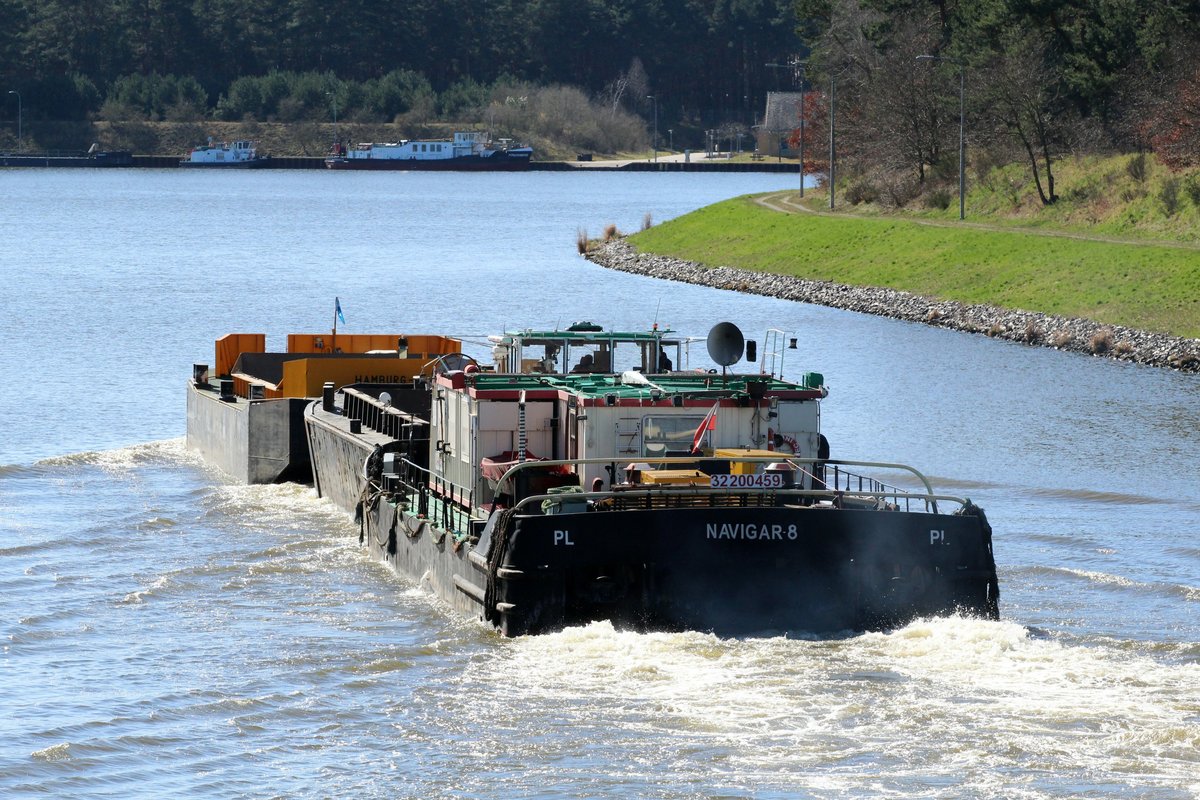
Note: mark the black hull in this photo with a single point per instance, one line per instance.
(734, 571)
(114, 159)
(682, 569)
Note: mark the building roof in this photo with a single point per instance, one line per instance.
(783, 111)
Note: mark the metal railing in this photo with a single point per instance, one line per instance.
(774, 344)
(380, 417)
(444, 503)
(857, 487)
(708, 497)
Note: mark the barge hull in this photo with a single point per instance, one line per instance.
(258, 441)
(96, 160)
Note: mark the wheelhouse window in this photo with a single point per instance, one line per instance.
(669, 436)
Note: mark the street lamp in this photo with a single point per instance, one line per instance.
(19, 112)
(655, 100)
(798, 73)
(832, 127)
(671, 139)
(962, 139)
(333, 98)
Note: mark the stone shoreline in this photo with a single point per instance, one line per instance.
(1046, 330)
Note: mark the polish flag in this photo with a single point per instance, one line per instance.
(709, 423)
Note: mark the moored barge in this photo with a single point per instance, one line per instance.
(240, 154)
(467, 150)
(94, 157)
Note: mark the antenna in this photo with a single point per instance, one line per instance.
(725, 343)
(656, 310)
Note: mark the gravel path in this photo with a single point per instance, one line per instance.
(788, 203)
(1045, 330)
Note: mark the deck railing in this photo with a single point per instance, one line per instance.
(451, 507)
(445, 504)
(834, 483)
(379, 416)
(642, 497)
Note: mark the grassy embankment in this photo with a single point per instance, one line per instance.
(1013, 255)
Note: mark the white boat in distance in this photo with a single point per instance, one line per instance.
(240, 154)
(468, 150)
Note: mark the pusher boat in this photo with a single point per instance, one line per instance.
(582, 477)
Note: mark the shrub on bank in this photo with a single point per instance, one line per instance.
(862, 191)
(937, 198)
(155, 97)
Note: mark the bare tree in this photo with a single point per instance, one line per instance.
(630, 86)
(891, 112)
(1164, 108)
(614, 93)
(906, 116)
(848, 41)
(1025, 99)
(733, 131)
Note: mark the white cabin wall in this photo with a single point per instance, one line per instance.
(733, 428)
(497, 428)
(454, 462)
(617, 430)
(800, 420)
(475, 430)
(609, 431)
(498, 422)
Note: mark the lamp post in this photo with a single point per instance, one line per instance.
(655, 101)
(797, 68)
(803, 78)
(671, 139)
(832, 129)
(333, 99)
(19, 118)
(962, 139)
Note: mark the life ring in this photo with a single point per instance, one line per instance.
(780, 440)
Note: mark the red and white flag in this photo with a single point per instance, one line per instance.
(709, 423)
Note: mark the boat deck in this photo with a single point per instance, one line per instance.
(633, 386)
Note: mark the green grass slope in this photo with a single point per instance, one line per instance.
(1150, 286)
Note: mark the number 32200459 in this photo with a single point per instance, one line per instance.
(762, 480)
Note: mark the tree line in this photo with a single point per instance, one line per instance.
(1040, 78)
(700, 59)
(1028, 80)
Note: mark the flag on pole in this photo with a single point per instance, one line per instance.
(337, 304)
(709, 423)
